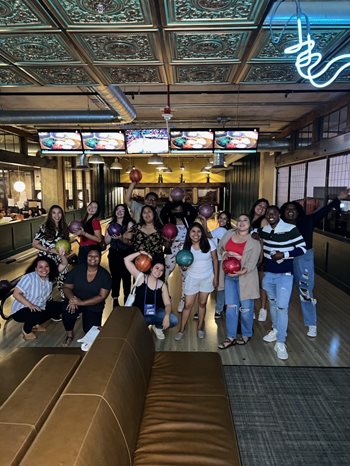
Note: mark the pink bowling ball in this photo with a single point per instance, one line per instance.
(169, 231)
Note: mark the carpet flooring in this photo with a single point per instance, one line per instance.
(291, 416)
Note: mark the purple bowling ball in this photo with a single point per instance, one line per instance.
(114, 229)
(177, 194)
(74, 226)
(206, 210)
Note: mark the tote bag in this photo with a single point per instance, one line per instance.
(131, 298)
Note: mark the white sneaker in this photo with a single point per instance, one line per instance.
(312, 331)
(159, 332)
(181, 306)
(281, 350)
(262, 315)
(271, 336)
(179, 336)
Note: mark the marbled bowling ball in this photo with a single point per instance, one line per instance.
(184, 258)
(63, 243)
(143, 263)
(74, 226)
(135, 175)
(231, 265)
(177, 194)
(169, 231)
(114, 229)
(206, 210)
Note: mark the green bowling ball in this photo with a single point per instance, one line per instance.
(184, 258)
(63, 243)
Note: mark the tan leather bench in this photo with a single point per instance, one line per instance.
(127, 405)
(25, 410)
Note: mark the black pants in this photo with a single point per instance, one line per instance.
(90, 318)
(119, 273)
(30, 318)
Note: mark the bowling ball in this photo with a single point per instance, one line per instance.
(63, 243)
(74, 226)
(206, 210)
(114, 229)
(184, 258)
(135, 175)
(143, 263)
(231, 265)
(177, 194)
(5, 287)
(169, 231)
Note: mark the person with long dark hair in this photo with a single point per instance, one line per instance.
(201, 277)
(120, 247)
(303, 266)
(90, 234)
(147, 233)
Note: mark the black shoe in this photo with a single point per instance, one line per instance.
(217, 315)
(195, 316)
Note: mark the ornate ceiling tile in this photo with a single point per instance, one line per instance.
(344, 76)
(61, 75)
(104, 13)
(269, 73)
(10, 77)
(133, 74)
(119, 47)
(208, 45)
(30, 48)
(325, 39)
(18, 14)
(203, 74)
(212, 11)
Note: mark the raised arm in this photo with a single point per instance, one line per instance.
(128, 194)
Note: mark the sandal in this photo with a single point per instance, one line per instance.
(242, 341)
(227, 343)
(67, 341)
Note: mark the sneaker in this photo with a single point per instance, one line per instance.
(181, 306)
(179, 336)
(312, 331)
(159, 332)
(281, 350)
(58, 319)
(262, 315)
(195, 316)
(201, 334)
(217, 315)
(271, 336)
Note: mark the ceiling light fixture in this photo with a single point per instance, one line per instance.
(96, 159)
(155, 160)
(116, 165)
(19, 185)
(182, 166)
(307, 60)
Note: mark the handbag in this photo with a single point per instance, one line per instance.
(131, 298)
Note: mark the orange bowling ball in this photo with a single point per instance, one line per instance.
(143, 263)
(135, 175)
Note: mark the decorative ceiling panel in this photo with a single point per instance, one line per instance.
(19, 14)
(35, 48)
(113, 13)
(11, 77)
(61, 75)
(120, 47)
(271, 73)
(326, 39)
(208, 45)
(139, 74)
(202, 74)
(190, 12)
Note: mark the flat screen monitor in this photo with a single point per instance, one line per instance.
(147, 141)
(236, 140)
(103, 141)
(60, 141)
(191, 140)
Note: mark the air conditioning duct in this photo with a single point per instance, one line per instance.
(118, 102)
(49, 117)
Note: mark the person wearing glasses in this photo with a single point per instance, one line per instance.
(281, 243)
(151, 199)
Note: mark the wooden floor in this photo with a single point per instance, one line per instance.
(330, 348)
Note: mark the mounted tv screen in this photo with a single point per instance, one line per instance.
(191, 140)
(60, 141)
(236, 140)
(147, 141)
(103, 141)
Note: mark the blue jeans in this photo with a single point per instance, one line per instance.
(304, 280)
(157, 319)
(220, 301)
(278, 287)
(233, 306)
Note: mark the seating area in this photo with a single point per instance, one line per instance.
(124, 404)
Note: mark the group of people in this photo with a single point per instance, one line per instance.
(272, 245)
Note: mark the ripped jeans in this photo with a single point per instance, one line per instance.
(278, 287)
(235, 305)
(304, 280)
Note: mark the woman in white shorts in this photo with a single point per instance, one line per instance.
(201, 277)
